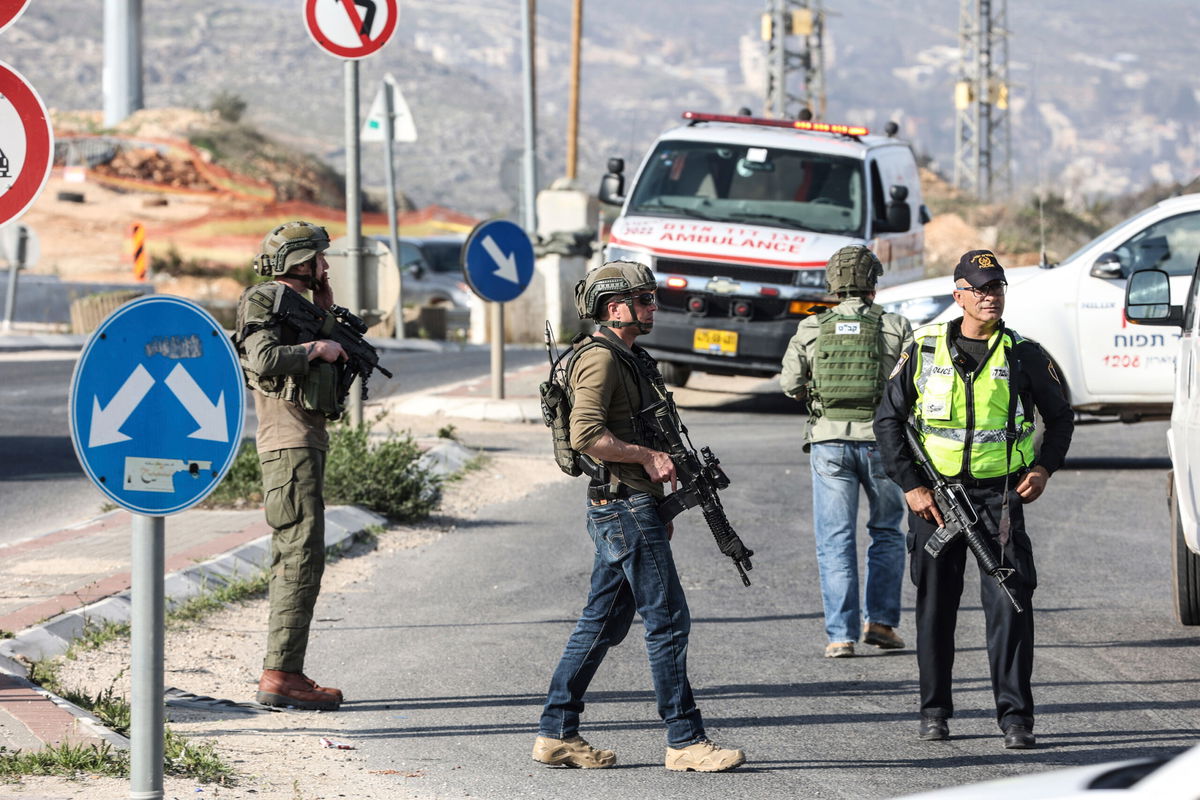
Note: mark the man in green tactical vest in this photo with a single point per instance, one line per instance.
(972, 386)
(289, 379)
(837, 364)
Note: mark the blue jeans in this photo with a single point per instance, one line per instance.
(839, 468)
(633, 571)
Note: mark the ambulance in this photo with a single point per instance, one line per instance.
(737, 216)
(1075, 310)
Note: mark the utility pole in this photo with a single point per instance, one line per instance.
(794, 31)
(122, 74)
(573, 99)
(982, 135)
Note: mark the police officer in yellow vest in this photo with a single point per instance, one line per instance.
(971, 386)
(286, 376)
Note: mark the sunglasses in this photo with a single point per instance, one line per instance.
(995, 289)
(645, 298)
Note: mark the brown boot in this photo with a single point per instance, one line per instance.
(325, 689)
(283, 689)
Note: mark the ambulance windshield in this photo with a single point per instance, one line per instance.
(753, 185)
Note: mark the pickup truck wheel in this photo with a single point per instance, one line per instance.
(674, 374)
(1186, 572)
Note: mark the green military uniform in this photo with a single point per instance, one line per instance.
(291, 443)
(796, 372)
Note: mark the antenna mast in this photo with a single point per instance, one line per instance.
(794, 31)
(983, 141)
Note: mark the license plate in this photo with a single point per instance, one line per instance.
(715, 342)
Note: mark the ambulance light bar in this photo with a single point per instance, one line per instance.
(795, 124)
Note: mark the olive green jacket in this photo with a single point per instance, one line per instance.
(274, 351)
(796, 372)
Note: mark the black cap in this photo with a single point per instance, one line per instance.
(978, 268)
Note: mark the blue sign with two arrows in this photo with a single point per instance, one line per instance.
(157, 405)
(498, 260)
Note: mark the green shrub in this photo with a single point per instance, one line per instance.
(242, 484)
(384, 476)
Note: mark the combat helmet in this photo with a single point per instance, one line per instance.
(614, 277)
(289, 245)
(854, 268)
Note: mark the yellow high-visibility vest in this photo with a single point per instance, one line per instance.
(963, 425)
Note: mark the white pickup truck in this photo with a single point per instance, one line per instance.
(1148, 302)
(1075, 310)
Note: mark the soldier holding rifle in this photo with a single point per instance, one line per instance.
(610, 380)
(971, 386)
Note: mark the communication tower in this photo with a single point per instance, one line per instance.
(983, 141)
(794, 31)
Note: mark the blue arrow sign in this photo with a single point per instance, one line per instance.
(498, 260)
(157, 405)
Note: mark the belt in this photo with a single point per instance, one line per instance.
(989, 483)
(603, 494)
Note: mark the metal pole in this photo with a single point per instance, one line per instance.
(146, 640)
(530, 33)
(353, 219)
(10, 303)
(122, 74)
(389, 132)
(573, 101)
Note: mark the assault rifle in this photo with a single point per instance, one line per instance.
(960, 518)
(700, 478)
(337, 324)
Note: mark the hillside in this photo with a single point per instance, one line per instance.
(1103, 101)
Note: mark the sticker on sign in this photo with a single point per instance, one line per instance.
(350, 28)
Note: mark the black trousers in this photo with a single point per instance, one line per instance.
(939, 585)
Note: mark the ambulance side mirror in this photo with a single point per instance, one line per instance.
(612, 185)
(1148, 299)
(899, 215)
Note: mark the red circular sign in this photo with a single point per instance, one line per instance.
(26, 144)
(350, 28)
(10, 10)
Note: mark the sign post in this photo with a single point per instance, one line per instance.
(498, 266)
(18, 257)
(341, 30)
(26, 144)
(388, 121)
(156, 412)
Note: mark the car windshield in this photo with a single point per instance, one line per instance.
(443, 256)
(753, 185)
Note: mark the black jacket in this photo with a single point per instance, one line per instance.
(1037, 383)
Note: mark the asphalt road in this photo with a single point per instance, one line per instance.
(42, 486)
(446, 671)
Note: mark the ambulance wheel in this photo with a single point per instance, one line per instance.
(1185, 572)
(674, 374)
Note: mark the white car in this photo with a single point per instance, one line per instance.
(1176, 778)
(1075, 310)
(1148, 302)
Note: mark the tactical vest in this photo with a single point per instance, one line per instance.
(558, 397)
(847, 368)
(966, 425)
(316, 390)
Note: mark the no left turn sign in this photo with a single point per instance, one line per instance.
(26, 144)
(350, 28)
(10, 10)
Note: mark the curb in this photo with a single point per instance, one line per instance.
(343, 525)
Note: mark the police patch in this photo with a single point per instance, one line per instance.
(1053, 374)
(899, 365)
(939, 370)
